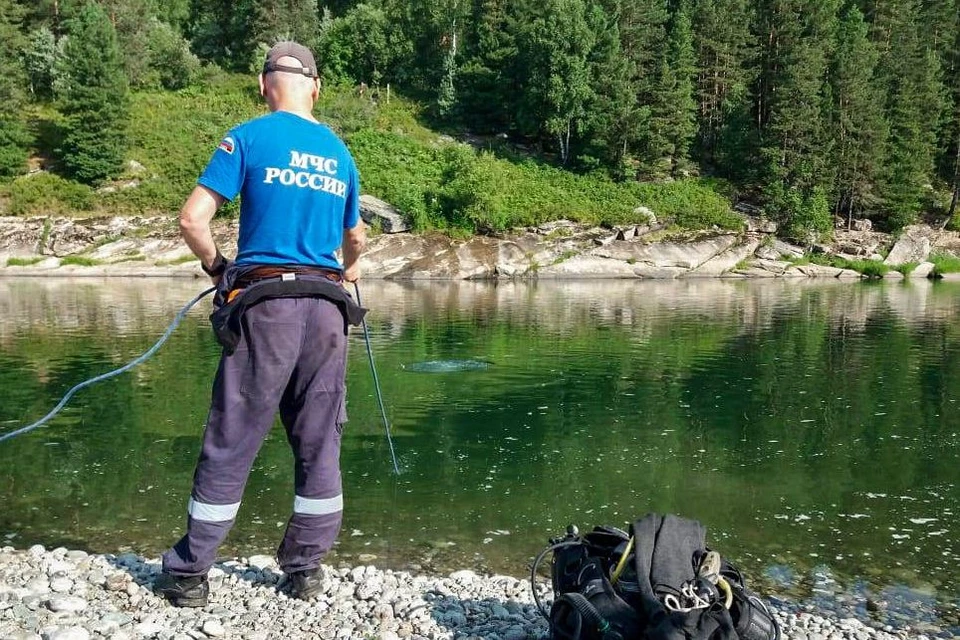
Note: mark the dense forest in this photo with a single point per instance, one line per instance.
(812, 109)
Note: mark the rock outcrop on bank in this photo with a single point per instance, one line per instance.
(560, 249)
(71, 595)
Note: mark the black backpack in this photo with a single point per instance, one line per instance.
(659, 582)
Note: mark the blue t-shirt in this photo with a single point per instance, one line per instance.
(298, 186)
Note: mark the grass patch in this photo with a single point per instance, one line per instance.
(176, 261)
(906, 267)
(944, 263)
(868, 268)
(24, 262)
(81, 261)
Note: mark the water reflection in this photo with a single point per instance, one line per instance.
(810, 425)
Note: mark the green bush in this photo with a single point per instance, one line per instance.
(172, 65)
(47, 193)
(14, 140)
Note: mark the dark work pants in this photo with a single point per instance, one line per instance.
(291, 357)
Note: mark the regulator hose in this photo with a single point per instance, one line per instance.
(166, 334)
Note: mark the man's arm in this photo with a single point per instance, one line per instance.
(354, 240)
(195, 217)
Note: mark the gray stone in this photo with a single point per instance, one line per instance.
(376, 212)
(72, 604)
(61, 584)
(213, 628)
(261, 562)
(923, 270)
(514, 633)
(147, 629)
(68, 633)
(913, 245)
(117, 582)
(22, 635)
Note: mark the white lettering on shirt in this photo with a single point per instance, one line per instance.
(318, 163)
(309, 178)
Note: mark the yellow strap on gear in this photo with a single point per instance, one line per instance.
(724, 586)
(622, 564)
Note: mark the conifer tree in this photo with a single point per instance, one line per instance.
(94, 99)
(909, 72)
(725, 48)
(216, 30)
(674, 115)
(612, 115)
(13, 135)
(368, 60)
(797, 36)
(555, 44)
(269, 21)
(643, 32)
(487, 76)
(855, 117)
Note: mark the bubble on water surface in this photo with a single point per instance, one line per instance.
(446, 366)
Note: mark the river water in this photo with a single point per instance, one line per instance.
(812, 426)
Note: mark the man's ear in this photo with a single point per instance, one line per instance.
(263, 85)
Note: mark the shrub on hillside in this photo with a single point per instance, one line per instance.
(171, 64)
(14, 140)
(46, 193)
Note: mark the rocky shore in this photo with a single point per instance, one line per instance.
(65, 594)
(557, 250)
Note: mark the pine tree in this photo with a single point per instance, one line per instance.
(643, 31)
(94, 99)
(725, 50)
(14, 138)
(270, 21)
(611, 116)
(909, 72)
(173, 12)
(487, 78)
(797, 38)
(674, 115)
(856, 122)
(216, 32)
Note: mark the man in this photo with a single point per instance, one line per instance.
(282, 316)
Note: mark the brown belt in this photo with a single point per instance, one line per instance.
(257, 274)
(266, 272)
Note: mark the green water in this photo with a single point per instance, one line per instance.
(812, 426)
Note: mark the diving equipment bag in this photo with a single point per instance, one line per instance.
(657, 582)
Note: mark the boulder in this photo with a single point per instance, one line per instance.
(913, 245)
(760, 225)
(375, 211)
(727, 260)
(923, 270)
(645, 215)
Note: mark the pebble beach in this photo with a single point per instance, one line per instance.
(63, 594)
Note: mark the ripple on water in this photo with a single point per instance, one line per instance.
(446, 366)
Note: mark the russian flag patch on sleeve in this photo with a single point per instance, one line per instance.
(226, 145)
